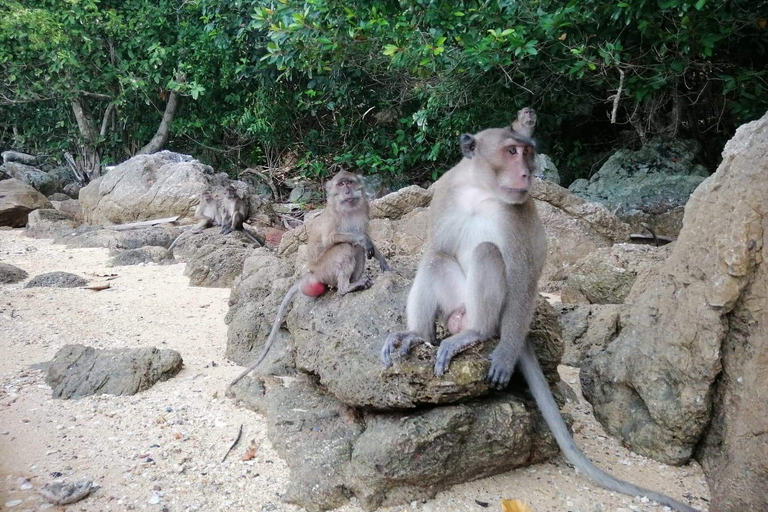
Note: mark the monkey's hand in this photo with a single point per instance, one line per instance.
(367, 244)
(503, 360)
(452, 346)
(406, 340)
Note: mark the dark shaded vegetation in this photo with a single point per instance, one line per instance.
(378, 87)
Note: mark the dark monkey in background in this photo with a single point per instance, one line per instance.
(337, 246)
(480, 272)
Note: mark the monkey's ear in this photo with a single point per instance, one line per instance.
(468, 144)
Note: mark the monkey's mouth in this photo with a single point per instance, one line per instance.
(515, 190)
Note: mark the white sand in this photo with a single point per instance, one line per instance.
(163, 447)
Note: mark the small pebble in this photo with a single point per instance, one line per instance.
(12, 503)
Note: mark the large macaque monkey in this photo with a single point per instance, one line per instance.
(234, 211)
(525, 124)
(480, 273)
(337, 246)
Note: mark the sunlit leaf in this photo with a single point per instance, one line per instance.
(514, 506)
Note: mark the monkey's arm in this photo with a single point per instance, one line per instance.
(516, 317)
(352, 238)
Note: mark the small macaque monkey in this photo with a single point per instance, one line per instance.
(337, 247)
(480, 273)
(234, 211)
(207, 213)
(525, 124)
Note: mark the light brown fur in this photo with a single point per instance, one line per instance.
(525, 124)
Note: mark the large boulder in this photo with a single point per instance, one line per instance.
(641, 185)
(49, 223)
(154, 186)
(10, 274)
(606, 276)
(32, 176)
(17, 200)
(70, 207)
(17, 156)
(661, 386)
(77, 371)
(400, 202)
(56, 280)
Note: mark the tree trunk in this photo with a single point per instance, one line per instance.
(164, 130)
(89, 163)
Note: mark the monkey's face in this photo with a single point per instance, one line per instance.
(503, 161)
(527, 116)
(346, 190)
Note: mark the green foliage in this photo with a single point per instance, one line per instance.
(384, 86)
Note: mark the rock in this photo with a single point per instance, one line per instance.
(148, 254)
(191, 245)
(660, 386)
(87, 236)
(397, 204)
(62, 177)
(32, 176)
(154, 186)
(639, 185)
(77, 371)
(587, 330)
(49, 223)
(273, 236)
(574, 230)
(58, 196)
(16, 156)
(70, 207)
(547, 168)
(729, 212)
(73, 190)
(334, 452)
(17, 200)
(375, 186)
(305, 192)
(607, 275)
(10, 274)
(216, 266)
(60, 493)
(56, 280)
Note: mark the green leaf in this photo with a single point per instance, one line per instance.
(390, 49)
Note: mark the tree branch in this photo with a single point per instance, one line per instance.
(163, 131)
(105, 120)
(84, 121)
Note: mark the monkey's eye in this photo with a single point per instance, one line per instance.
(512, 150)
(526, 151)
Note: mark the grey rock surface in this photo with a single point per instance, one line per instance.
(606, 276)
(50, 223)
(216, 266)
(10, 274)
(32, 176)
(656, 386)
(56, 280)
(587, 330)
(147, 254)
(19, 157)
(17, 200)
(400, 202)
(77, 371)
(88, 236)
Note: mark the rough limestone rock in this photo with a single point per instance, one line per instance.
(16, 156)
(639, 185)
(58, 197)
(88, 236)
(397, 204)
(49, 223)
(574, 230)
(10, 274)
(56, 280)
(142, 255)
(335, 452)
(77, 371)
(547, 168)
(216, 266)
(191, 244)
(17, 200)
(32, 176)
(155, 186)
(70, 207)
(587, 330)
(660, 384)
(606, 276)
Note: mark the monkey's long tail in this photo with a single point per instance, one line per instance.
(551, 412)
(289, 296)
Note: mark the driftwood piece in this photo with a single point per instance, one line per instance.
(142, 224)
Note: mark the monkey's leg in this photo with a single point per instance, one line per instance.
(350, 274)
(439, 282)
(485, 294)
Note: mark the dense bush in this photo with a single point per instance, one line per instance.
(380, 86)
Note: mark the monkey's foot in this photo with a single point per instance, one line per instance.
(406, 341)
(502, 367)
(360, 284)
(452, 346)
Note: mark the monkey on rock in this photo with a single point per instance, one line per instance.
(480, 274)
